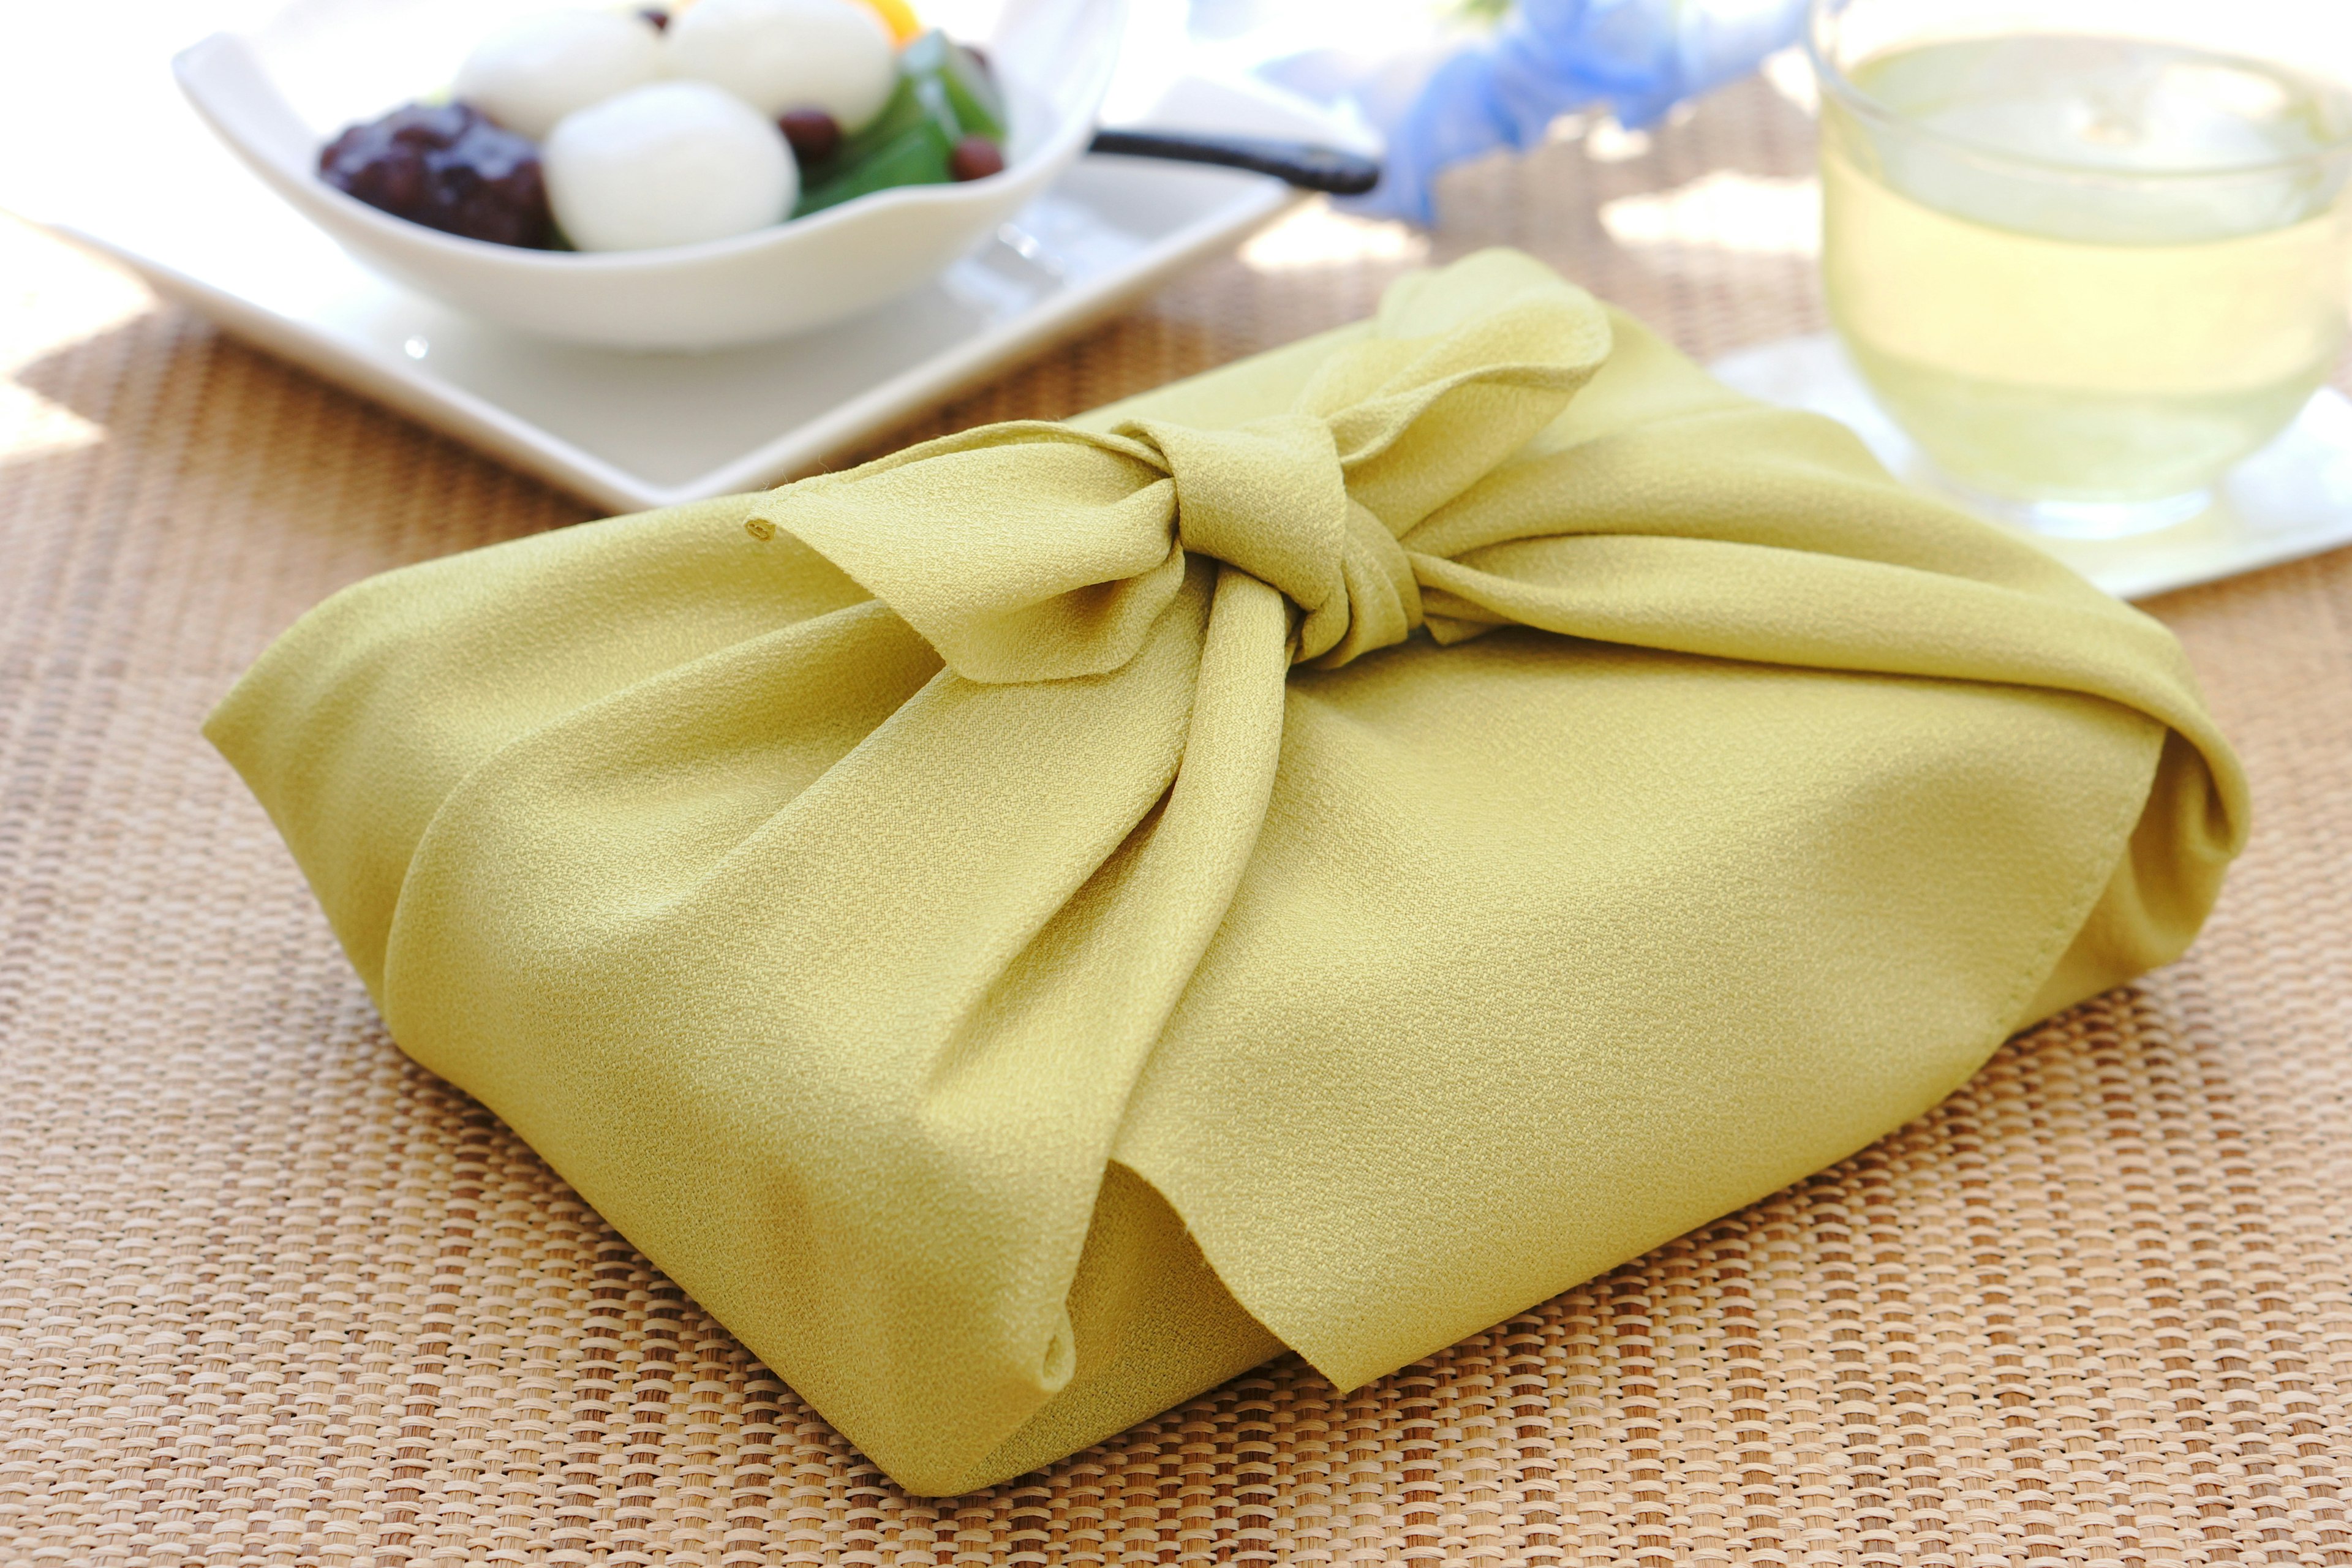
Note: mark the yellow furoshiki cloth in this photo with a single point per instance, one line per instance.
(1027, 927)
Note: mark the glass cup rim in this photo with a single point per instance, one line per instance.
(1835, 82)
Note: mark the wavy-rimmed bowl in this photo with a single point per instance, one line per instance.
(1054, 56)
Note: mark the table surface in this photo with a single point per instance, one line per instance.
(271, 1294)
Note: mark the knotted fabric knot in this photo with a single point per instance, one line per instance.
(1033, 551)
(1270, 498)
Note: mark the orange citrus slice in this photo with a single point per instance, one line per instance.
(901, 16)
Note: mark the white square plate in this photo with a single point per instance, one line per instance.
(631, 430)
(2291, 500)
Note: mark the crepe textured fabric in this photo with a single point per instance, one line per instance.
(1027, 927)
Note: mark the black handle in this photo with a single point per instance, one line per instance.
(1302, 163)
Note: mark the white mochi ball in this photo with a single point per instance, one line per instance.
(531, 74)
(671, 162)
(779, 55)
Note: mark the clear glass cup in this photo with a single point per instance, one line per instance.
(2087, 253)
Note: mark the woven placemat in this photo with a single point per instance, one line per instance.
(269, 1294)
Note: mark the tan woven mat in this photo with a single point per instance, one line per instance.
(269, 1294)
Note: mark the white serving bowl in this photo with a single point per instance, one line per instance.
(340, 62)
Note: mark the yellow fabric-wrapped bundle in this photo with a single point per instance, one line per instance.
(1026, 929)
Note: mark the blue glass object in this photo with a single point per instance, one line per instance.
(1546, 58)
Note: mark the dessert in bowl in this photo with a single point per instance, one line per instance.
(283, 96)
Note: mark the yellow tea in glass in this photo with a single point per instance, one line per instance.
(2086, 259)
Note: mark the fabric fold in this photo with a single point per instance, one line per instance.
(1025, 927)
